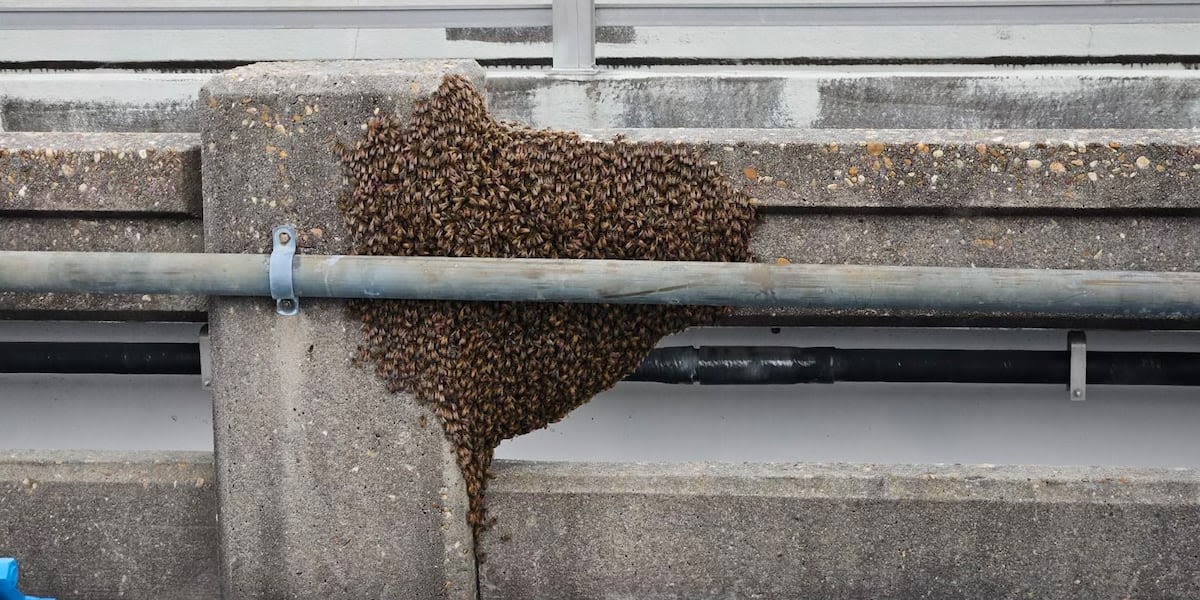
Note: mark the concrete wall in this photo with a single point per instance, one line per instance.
(842, 532)
(985, 97)
(102, 526)
(852, 97)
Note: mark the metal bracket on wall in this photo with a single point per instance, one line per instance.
(283, 253)
(1077, 344)
(205, 358)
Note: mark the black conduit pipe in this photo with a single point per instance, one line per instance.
(707, 365)
(99, 357)
(759, 365)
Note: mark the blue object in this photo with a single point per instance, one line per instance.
(8, 582)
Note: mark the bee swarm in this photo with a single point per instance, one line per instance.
(453, 181)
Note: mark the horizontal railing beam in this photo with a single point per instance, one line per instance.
(524, 14)
(894, 12)
(1141, 294)
(627, 13)
(574, 21)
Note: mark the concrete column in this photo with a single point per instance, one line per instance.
(329, 486)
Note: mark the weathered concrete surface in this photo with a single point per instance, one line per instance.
(89, 172)
(330, 486)
(102, 235)
(99, 99)
(937, 168)
(947, 96)
(111, 525)
(841, 97)
(91, 307)
(578, 530)
(90, 115)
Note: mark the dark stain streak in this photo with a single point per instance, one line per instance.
(534, 35)
(646, 292)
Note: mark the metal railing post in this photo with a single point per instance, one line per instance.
(574, 36)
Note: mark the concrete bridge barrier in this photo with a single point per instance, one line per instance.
(326, 485)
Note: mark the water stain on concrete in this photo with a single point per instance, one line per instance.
(534, 35)
(1049, 103)
(34, 115)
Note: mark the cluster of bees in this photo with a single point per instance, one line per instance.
(450, 180)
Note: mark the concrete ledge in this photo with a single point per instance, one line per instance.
(572, 530)
(939, 168)
(919, 97)
(92, 307)
(902, 97)
(100, 99)
(113, 525)
(102, 234)
(1082, 169)
(82, 172)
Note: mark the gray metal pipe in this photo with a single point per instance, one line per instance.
(1102, 293)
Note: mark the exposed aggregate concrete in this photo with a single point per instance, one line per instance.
(933, 169)
(100, 172)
